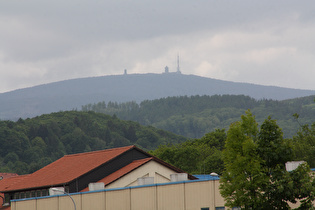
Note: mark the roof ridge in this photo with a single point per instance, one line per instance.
(98, 151)
(148, 158)
(18, 176)
(5, 173)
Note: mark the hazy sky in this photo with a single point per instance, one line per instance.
(263, 42)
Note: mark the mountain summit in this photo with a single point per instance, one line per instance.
(72, 94)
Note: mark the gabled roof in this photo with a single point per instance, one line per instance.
(8, 182)
(71, 167)
(134, 165)
(122, 172)
(64, 170)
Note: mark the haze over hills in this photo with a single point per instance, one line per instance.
(72, 94)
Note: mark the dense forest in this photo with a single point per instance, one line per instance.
(194, 116)
(205, 155)
(196, 156)
(28, 145)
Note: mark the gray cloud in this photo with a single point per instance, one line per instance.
(263, 42)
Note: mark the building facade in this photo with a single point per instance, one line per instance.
(112, 168)
(201, 194)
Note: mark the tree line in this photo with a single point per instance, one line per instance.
(250, 160)
(194, 116)
(28, 145)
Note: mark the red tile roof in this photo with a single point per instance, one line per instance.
(3, 182)
(7, 175)
(63, 170)
(8, 182)
(123, 171)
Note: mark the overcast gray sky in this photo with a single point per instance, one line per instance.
(263, 42)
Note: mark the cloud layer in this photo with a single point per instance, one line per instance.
(267, 42)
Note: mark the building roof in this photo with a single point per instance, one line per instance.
(7, 183)
(72, 167)
(63, 171)
(3, 177)
(207, 177)
(122, 172)
(7, 175)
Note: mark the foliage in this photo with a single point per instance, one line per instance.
(194, 116)
(28, 145)
(255, 176)
(304, 144)
(196, 156)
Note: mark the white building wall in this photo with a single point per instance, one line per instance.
(160, 173)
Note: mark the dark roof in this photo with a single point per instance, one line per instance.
(71, 167)
(122, 172)
(62, 171)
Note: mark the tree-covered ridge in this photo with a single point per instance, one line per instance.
(27, 145)
(255, 175)
(72, 94)
(251, 161)
(194, 116)
(204, 155)
(196, 156)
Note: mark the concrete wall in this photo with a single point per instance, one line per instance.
(189, 195)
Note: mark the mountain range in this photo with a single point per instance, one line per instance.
(73, 94)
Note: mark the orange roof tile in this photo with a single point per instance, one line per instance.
(3, 183)
(6, 183)
(7, 175)
(121, 172)
(64, 169)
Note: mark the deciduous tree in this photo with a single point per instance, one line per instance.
(255, 176)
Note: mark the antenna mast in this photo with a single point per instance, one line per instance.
(178, 69)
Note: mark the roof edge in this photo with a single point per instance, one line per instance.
(145, 162)
(98, 151)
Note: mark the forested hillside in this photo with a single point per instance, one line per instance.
(196, 156)
(72, 94)
(27, 145)
(205, 155)
(194, 116)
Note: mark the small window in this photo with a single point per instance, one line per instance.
(236, 208)
(44, 193)
(67, 189)
(33, 193)
(205, 208)
(16, 195)
(219, 208)
(38, 193)
(7, 199)
(28, 194)
(22, 195)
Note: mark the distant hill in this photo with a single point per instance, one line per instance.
(28, 145)
(194, 116)
(72, 94)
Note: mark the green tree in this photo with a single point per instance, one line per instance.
(255, 176)
(304, 144)
(196, 156)
(243, 176)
